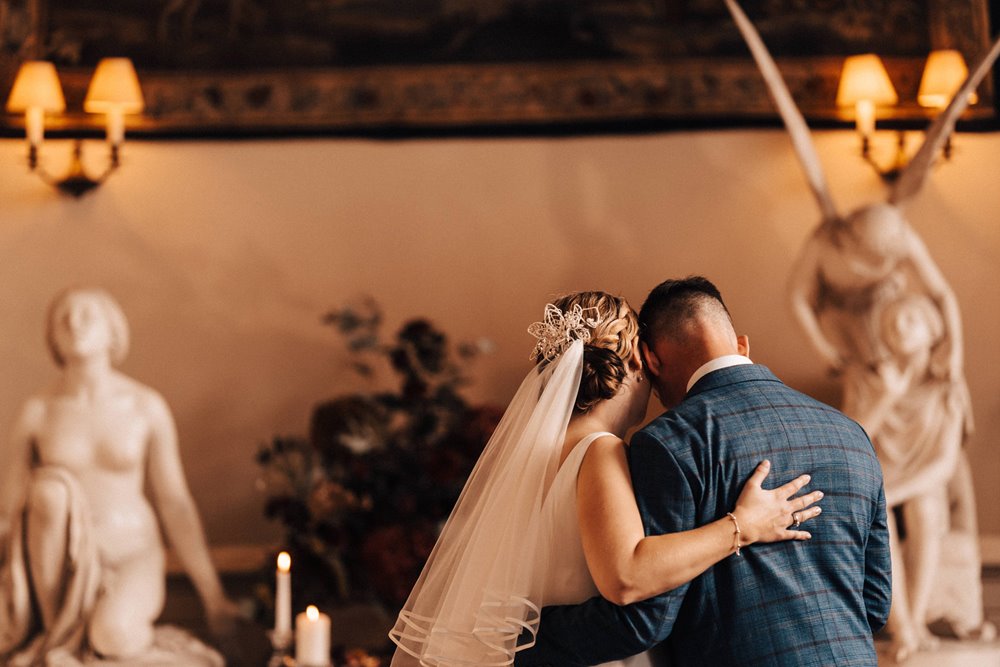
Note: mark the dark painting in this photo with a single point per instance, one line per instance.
(266, 65)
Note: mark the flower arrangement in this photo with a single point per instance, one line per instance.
(363, 497)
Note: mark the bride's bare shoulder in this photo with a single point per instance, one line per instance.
(605, 450)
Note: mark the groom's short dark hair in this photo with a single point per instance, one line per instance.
(673, 302)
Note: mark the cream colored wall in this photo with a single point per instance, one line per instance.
(225, 255)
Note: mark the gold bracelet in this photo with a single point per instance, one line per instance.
(736, 533)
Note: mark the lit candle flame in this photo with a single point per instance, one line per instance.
(284, 561)
(312, 613)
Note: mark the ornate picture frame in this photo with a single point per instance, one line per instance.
(272, 67)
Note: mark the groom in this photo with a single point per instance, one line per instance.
(794, 604)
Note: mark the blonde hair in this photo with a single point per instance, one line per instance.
(113, 315)
(611, 345)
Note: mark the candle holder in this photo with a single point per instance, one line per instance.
(283, 658)
(281, 644)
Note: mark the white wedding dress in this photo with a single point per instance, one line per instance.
(512, 544)
(568, 579)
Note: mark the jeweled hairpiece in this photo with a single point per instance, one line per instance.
(559, 329)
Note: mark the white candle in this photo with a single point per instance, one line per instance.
(312, 638)
(864, 117)
(283, 600)
(34, 124)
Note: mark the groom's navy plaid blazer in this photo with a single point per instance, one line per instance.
(795, 604)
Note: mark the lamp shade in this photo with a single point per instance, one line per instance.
(864, 78)
(115, 87)
(944, 74)
(36, 86)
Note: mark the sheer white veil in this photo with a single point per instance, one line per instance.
(484, 581)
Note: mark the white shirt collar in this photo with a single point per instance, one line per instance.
(716, 364)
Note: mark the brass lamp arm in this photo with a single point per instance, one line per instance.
(76, 182)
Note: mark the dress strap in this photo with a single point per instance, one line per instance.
(580, 449)
(587, 440)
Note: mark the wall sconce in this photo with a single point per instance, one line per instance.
(944, 74)
(114, 91)
(865, 85)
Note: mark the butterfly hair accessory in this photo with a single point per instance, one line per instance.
(559, 329)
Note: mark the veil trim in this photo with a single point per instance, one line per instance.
(494, 630)
(483, 586)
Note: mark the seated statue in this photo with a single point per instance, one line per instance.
(82, 563)
(918, 421)
(876, 306)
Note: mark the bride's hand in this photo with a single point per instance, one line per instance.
(773, 516)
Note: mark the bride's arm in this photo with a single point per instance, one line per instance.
(627, 566)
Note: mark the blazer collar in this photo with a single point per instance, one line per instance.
(732, 375)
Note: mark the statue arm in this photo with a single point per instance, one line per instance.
(15, 456)
(935, 474)
(178, 513)
(943, 296)
(803, 285)
(894, 382)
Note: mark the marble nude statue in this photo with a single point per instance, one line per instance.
(82, 563)
(879, 312)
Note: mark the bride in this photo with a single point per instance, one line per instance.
(548, 515)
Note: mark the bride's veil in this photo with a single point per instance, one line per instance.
(484, 581)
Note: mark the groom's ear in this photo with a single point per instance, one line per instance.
(653, 364)
(743, 345)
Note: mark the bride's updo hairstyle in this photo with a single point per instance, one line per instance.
(612, 343)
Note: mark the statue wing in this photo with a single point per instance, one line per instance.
(794, 121)
(913, 177)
